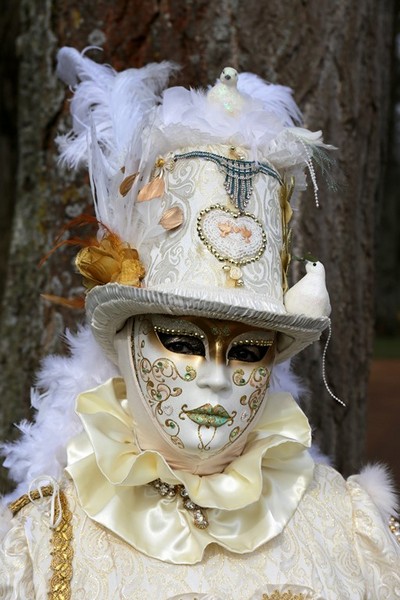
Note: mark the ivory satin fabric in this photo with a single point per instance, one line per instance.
(336, 545)
(247, 504)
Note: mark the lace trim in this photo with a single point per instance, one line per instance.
(61, 542)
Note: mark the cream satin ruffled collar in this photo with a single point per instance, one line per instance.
(247, 504)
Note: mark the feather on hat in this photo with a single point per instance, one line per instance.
(153, 153)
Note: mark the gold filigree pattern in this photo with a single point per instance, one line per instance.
(259, 379)
(221, 331)
(155, 375)
(256, 379)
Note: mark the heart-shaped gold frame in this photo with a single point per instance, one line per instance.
(235, 230)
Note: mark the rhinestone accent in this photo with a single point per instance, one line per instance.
(252, 342)
(169, 331)
(394, 526)
(200, 519)
(238, 174)
(171, 491)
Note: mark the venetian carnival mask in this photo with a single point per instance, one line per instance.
(202, 384)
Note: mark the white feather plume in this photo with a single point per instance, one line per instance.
(186, 118)
(121, 123)
(117, 103)
(147, 226)
(277, 99)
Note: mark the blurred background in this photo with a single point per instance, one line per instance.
(383, 416)
(343, 61)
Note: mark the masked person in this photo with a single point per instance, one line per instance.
(185, 476)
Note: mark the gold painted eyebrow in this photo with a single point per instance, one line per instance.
(171, 326)
(178, 331)
(253, 342)
(254, 338)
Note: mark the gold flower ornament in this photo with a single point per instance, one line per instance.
(110, 261)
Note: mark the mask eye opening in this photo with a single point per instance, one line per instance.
(182, 343)
(250, 353)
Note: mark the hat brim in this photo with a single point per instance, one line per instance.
(110, 306)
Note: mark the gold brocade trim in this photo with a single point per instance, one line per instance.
(61, 542)
(285, 195)
(285, 596)
(26, 499)
(62, 555)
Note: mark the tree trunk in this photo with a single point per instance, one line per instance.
(336, 57)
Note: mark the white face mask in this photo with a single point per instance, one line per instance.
(203, 383)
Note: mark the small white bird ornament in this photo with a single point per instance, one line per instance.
(309, 296)
(225, 92)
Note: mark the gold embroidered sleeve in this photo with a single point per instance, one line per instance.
(62, 555)
(61, 550)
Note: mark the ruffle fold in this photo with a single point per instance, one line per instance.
(247, 504)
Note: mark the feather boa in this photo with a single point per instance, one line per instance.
(41, 449)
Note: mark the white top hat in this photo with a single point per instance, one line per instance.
(198, 184)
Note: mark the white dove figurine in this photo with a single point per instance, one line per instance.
(225, 92)
(309, 296)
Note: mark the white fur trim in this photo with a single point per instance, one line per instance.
(377, 481)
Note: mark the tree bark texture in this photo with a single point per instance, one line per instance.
(8, 153)
(335, 54)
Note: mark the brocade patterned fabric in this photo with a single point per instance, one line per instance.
(336, 547)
